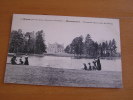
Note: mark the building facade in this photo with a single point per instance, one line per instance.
(55, 48)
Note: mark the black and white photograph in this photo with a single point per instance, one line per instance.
(64, 51)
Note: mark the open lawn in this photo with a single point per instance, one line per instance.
(37, 75)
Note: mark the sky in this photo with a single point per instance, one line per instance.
(63, 29)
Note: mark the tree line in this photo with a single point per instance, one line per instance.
(91, 48)
(28, 42)
(34, 43)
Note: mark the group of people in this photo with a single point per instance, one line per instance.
(96, 65)
(21, 62)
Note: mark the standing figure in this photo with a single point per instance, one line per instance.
(85, 67)
(21, 61)
(95, 66)
(13, 60)
(90, 66)
(26, 60)
(98, 64)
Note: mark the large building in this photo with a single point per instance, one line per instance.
(55, 48)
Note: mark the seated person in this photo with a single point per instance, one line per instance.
(85, 67)
(20, 61)
(90, 67)
(13, 60)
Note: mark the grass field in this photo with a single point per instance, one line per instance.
(21, 74)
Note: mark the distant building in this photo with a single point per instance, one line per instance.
(55, 48)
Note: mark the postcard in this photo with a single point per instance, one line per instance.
(64, 51)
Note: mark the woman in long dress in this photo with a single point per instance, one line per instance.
(98, 64)
(95, 66)
(26, 60)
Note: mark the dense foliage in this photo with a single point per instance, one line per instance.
(28, 42)
(90, 48)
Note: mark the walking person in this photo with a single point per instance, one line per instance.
(26, 60)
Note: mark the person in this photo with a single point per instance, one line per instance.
(90, 66)
(95, 66)
(13, 60)
(21, 61)
(94, 62)
(85, 67)
(98, 64)
(26, 60)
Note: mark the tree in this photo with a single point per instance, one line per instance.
(68, 49)
(16, 42)
(29, 42)
(107, 54)
(77, 45)
(100, 51)
(88, 45)
(40, 43)
(103, 48)
(114, 47)
(95, 49)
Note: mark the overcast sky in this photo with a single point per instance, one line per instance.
(63, 29)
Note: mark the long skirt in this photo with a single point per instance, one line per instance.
(26, 62)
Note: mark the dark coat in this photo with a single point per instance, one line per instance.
(85, 67)
(98, 64)
(13, 60)
(26, 61)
